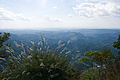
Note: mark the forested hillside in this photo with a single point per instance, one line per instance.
(60, 55)
(79, 40)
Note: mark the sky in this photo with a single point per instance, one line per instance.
(59, 14)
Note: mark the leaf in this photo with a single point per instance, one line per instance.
(83, 58)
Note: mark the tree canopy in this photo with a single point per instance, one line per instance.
(3, 38)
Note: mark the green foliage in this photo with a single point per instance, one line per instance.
(102, 57)
(113, 71)
(90, 74)
(117, 43)
(83, 58)
(3, 38)
(109, 64)
(43, 66)
(104, 66)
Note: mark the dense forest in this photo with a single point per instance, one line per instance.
(60, 55)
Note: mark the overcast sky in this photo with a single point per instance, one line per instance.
(42, 14)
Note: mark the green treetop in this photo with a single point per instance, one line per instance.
(3, 38)
(117, 43)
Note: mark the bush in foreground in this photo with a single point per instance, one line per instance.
(43, 66)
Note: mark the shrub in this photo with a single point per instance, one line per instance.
(43, 66)
(91, 74)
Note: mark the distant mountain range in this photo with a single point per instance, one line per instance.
(81, 40)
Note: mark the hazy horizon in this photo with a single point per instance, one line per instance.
(63, 29)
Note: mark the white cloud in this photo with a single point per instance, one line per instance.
(70, 15)
(10, 16)
(55, 7)
(54, 19)
(99, 8)
(41, 3)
